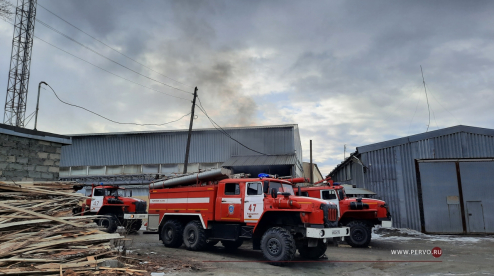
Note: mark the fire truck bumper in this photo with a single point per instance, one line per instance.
(135, 216)
(322, 233)
(386, 223)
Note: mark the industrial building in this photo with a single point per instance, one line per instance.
(440, 181)
(140, 157)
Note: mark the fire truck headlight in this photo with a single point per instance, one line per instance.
(321, 233)
(131, 216)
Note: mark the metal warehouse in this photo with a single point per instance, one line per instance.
(436, 182)
(137, 157)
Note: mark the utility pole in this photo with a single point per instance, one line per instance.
(37, 105)
(190, 131)
(344, 151)
(311, 169)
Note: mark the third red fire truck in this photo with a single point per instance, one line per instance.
(201, 210)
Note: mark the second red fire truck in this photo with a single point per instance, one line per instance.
(201, 210)
(360, 214)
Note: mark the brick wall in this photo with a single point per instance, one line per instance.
(26, 159)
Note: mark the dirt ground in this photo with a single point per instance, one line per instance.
(472, 255)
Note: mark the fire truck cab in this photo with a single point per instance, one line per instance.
(265, 210)
(118, 209)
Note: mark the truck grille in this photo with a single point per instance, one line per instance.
(333, 214)
(141, 207)
(330, 212)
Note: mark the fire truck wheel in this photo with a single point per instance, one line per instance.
(278, 246)
(171, 233)
(360, 234)
(132, 225)
(110, 223)
(195, 236)
(232, 245)
(313, 253)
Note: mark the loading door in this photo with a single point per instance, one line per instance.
(477, 181)
(457, 195)
(440, 197)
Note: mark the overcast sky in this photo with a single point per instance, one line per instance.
(347, 72)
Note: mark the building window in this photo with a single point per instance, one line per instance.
(232, 189)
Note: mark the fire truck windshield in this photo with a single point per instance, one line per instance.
(282, 188)
(115, 192)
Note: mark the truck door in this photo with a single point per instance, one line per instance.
(254, 202)
(97, 199)
(229, 202)
(330, 196)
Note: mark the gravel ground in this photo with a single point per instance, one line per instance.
(461, 255)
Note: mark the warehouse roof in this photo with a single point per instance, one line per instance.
(180, 130)
(425, 135)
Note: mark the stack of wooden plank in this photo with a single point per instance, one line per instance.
(39, 235)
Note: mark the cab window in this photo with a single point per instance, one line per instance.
(254, 188)
(232, 189)
(327, 195)
(99, 192)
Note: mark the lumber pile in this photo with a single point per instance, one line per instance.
(39, 235)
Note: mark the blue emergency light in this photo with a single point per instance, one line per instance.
(263, 175)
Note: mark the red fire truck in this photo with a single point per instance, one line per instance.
(360, 214)
(110, 201)
(201, 210)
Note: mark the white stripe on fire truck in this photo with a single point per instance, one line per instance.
(231, 200)
(181, 200)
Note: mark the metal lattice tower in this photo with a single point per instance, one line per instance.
(20, 62)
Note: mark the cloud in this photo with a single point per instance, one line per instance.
(348, 72)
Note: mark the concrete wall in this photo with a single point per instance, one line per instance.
(26, 159)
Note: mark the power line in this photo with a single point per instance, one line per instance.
(103, 56)
(111, 47)
(109, 72)
(142, 85)
(111, 119)
(220, 129)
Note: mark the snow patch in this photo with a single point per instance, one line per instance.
(405, 234)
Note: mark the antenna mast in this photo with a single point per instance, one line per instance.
(20, 63)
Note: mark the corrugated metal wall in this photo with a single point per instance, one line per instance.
(391, 171)
(207, 146)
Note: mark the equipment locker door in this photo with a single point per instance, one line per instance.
(230, 205)
(97, 199)
(254, 202)
(330, 196)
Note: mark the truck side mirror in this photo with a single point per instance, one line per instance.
(266, 187)
(299, 192)
(274, 193)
